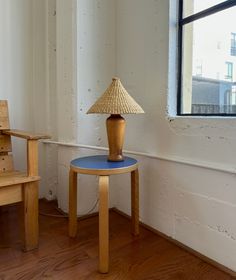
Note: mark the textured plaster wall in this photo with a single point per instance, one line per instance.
(133, 39)
(96, 64)
(194, 205)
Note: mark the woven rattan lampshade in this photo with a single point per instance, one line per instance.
(115, 100)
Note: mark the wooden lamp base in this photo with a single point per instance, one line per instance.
(115, 133)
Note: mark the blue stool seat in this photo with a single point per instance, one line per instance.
(99, 165)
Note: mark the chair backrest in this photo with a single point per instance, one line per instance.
(6, 159)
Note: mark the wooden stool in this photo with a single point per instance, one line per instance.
(98, 165)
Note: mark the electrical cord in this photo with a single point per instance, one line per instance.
(62, 215)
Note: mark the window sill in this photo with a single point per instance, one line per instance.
(183, 117)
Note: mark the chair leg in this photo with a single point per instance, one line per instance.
(30, 208)
(103, 224)
(72, 203)
(135, 202)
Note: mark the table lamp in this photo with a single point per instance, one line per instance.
(115, 101)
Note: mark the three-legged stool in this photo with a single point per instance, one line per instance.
(98, 165)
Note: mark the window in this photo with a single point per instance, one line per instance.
(206, 73)
(233, 44)
(198, 69)
(229, 70)
(233, 95)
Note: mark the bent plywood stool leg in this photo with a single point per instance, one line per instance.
(103, 224)
(30, 205)
(135, 202)
(72, 204)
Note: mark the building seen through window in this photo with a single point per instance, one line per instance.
(233, 44)
(207, 77)
(229, 70)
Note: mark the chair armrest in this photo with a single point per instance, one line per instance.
(25, 134)
(32, 148)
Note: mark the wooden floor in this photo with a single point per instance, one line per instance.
(148, 257)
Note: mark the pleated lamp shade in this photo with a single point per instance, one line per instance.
(115, 100)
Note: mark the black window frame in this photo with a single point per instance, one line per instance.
(183, 21)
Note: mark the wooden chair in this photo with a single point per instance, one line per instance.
(18, 186)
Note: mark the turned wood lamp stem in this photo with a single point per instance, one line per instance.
(115, 133)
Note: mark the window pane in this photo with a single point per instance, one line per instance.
(208, 65)
(233, 44)
(194, 6)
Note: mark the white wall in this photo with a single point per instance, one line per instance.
(130, 39)
(96, 64)
(23, 72)
(194, 205)
(16, 66)
(16, 59)
(188, 193)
